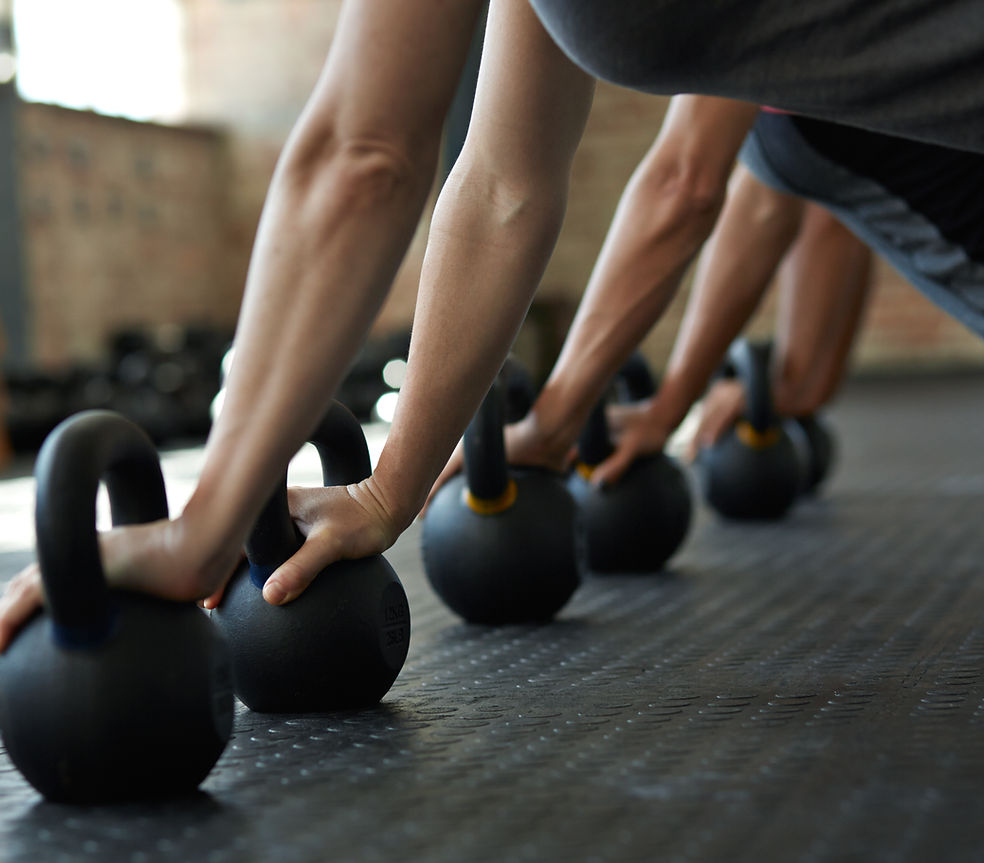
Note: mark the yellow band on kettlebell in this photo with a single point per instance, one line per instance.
(585, 470)
(755, 439)
(491, 507)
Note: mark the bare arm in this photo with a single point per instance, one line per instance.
(669, 207)
(667, 210)
(343, 203)
(823, 283)
(756, 228)
(493, 231)
(823, 286)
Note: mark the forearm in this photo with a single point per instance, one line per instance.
(322, 265)
(344, 201)
(480, 272)
(493, 230)
(823, 285)
(734, 271)
(651, 242)
(666, 213)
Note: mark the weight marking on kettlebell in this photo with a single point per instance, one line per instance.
(395, 613)
(396, 637)
(395, 624)
(395, 619)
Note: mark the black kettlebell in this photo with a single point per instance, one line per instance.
(639, 522)
(109, 695)
(342, 642)
(498, 542)
(518, 388)
(753, 471)
(817, 442)
(634, 381)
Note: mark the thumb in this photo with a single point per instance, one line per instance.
(289, 580)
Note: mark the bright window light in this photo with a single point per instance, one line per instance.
(394, 373)
(8, 66)
(113, 56)
(385, 408)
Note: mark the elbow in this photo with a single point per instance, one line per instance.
(353, 174)
(678, 201)
(512, 208)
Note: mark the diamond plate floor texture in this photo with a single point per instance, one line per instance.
(805, 691)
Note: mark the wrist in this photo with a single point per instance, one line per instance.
(210, 544)
(552, 426)
(661, 419)
(670, 406)
(399, 495)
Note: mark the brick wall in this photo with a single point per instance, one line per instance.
(250, 67)
(123, 224)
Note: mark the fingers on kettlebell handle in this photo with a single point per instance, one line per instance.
(23, 596)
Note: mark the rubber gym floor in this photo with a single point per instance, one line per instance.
(811, 690)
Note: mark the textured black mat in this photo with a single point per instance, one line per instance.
(808, 691)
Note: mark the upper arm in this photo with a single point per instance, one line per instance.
(699, 141)
(531, 104)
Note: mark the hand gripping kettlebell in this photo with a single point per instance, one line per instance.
(636, 524)
(343, 641)
(753, 471)
(498, 543)
(109, 695)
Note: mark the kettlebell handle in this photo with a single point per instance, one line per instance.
(344, 457)
(751, 363)
(633, 382)
(341, 446)
(594, 444)
(486, 472)
(83, 450)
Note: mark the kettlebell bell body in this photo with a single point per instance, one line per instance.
(511, 566)
(342, 642)
(754, 471)
(636, 524)
(819, 447)
(748, 478)
(109, 695)
(498, 543)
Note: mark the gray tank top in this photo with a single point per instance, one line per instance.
(906, 67)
